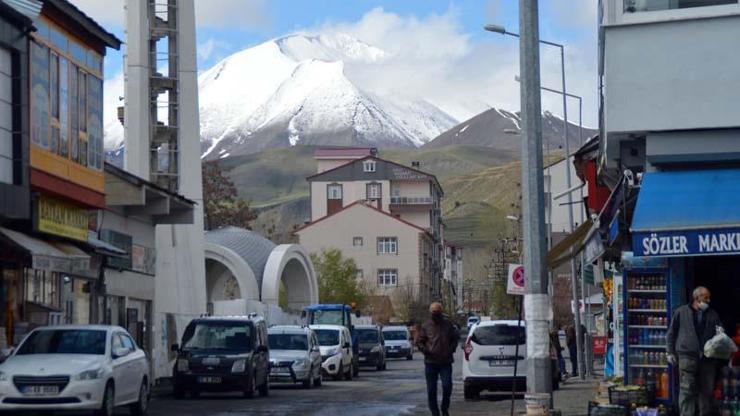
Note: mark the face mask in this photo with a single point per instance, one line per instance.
(703, 306)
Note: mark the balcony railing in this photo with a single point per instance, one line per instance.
(631, 6)
(411, 200)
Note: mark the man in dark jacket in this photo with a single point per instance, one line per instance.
(438, 341)
(691, 327)
(570, 339)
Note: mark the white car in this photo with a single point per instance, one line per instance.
(398, 342)
(335, 342)
(490, 353)
(294, 355)
(76, 367)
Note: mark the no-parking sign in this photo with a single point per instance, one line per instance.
(515, 282)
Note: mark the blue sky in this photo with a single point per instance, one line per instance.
(449, 31)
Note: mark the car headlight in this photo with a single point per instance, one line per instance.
(332, 351)
(300, 363)
(239, 366)
(375, 348)
(182, 365)
(93, 374)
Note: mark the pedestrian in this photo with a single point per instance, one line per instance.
(555, 345)
(692, 325)
(570, 339)
(438, 342)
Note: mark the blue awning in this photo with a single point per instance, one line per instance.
(688, 213)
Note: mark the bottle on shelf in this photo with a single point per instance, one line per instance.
(664, 384)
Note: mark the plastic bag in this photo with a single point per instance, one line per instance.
(720, 346)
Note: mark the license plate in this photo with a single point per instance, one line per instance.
(41, 390)
(209, 380)
(281, 370)
(211, 361)
(501, 363)
(363, 358)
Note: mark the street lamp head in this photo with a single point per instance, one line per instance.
(495, 28)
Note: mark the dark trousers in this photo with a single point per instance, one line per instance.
(444, 373)
(573, 351)
(696, 382)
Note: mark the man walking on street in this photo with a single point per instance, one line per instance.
(438, 341)
(570, 339)
(691, 327)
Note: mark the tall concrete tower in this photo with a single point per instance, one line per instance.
(162, 144)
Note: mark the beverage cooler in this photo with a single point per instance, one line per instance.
(646, 306)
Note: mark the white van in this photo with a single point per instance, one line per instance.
(335, 343)
(490, 353)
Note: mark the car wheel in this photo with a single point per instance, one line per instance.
(109, 398)
(252, 386)
(264, 389)
(309, 380)
(140, 407)
(470, 393)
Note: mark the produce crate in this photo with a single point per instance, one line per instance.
(597, 409)
(639, 395)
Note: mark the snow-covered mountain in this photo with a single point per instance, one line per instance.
(295, 90)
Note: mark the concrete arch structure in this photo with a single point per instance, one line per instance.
(242, 265)
(290, 264)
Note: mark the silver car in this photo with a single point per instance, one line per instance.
(295, 356)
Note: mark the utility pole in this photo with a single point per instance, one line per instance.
(537, 302)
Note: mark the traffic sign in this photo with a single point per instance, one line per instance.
(515, 281)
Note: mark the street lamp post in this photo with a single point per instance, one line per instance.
(503, 31)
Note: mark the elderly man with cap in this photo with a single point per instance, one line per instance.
(438, 341)
(691, 327)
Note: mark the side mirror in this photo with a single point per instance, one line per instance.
(346, 345)
(121, 352)
(175, 348)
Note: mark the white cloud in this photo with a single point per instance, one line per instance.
(245, 14)
(210, 47)
(113, 88)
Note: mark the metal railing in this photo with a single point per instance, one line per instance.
(411, 200)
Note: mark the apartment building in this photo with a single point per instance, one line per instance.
(383, 214)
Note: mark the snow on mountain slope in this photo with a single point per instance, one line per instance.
(294, 90)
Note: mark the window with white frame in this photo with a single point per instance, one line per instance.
(387, 277)
(373, 191)
(357, 241)
(334, 191)
(368, 166)
(387, 245)
(6, 117)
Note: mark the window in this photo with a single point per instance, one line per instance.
(387, 245)
(6, 117)
(395, 189)
(357, 241)
(359, 274)
(373, 191)
(387, 277)
(368, 166)
(334, 191)
(631, 6)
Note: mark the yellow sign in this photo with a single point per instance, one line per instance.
(62, 219)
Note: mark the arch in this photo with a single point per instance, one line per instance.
(291, 264)
(223, 264)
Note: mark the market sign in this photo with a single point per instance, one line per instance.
(680, 243)
(62, 219)
(515, 281)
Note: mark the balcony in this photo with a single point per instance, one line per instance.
(411, 201)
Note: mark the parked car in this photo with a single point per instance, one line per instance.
(223, 353)
(371, 346)
(295, 356)
(472, 320)
(76, 367)
(337, 356)
(490, 354)
(398, 342)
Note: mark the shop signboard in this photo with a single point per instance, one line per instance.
(62, 219)
(515, 280)
(679, 243)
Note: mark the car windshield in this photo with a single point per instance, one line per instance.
(327, 337)
(230, 336)
(499, 335)
(395, 335)
(64, 341)
(321, 317)
(288, 341)
(367, 335)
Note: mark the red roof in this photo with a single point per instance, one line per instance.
(361, 202)
(341, 152)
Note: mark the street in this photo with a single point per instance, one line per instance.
(400, 390)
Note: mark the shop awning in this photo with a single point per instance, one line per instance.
(50, 256)
(687, 213)
(569, 246)
(104, 247)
